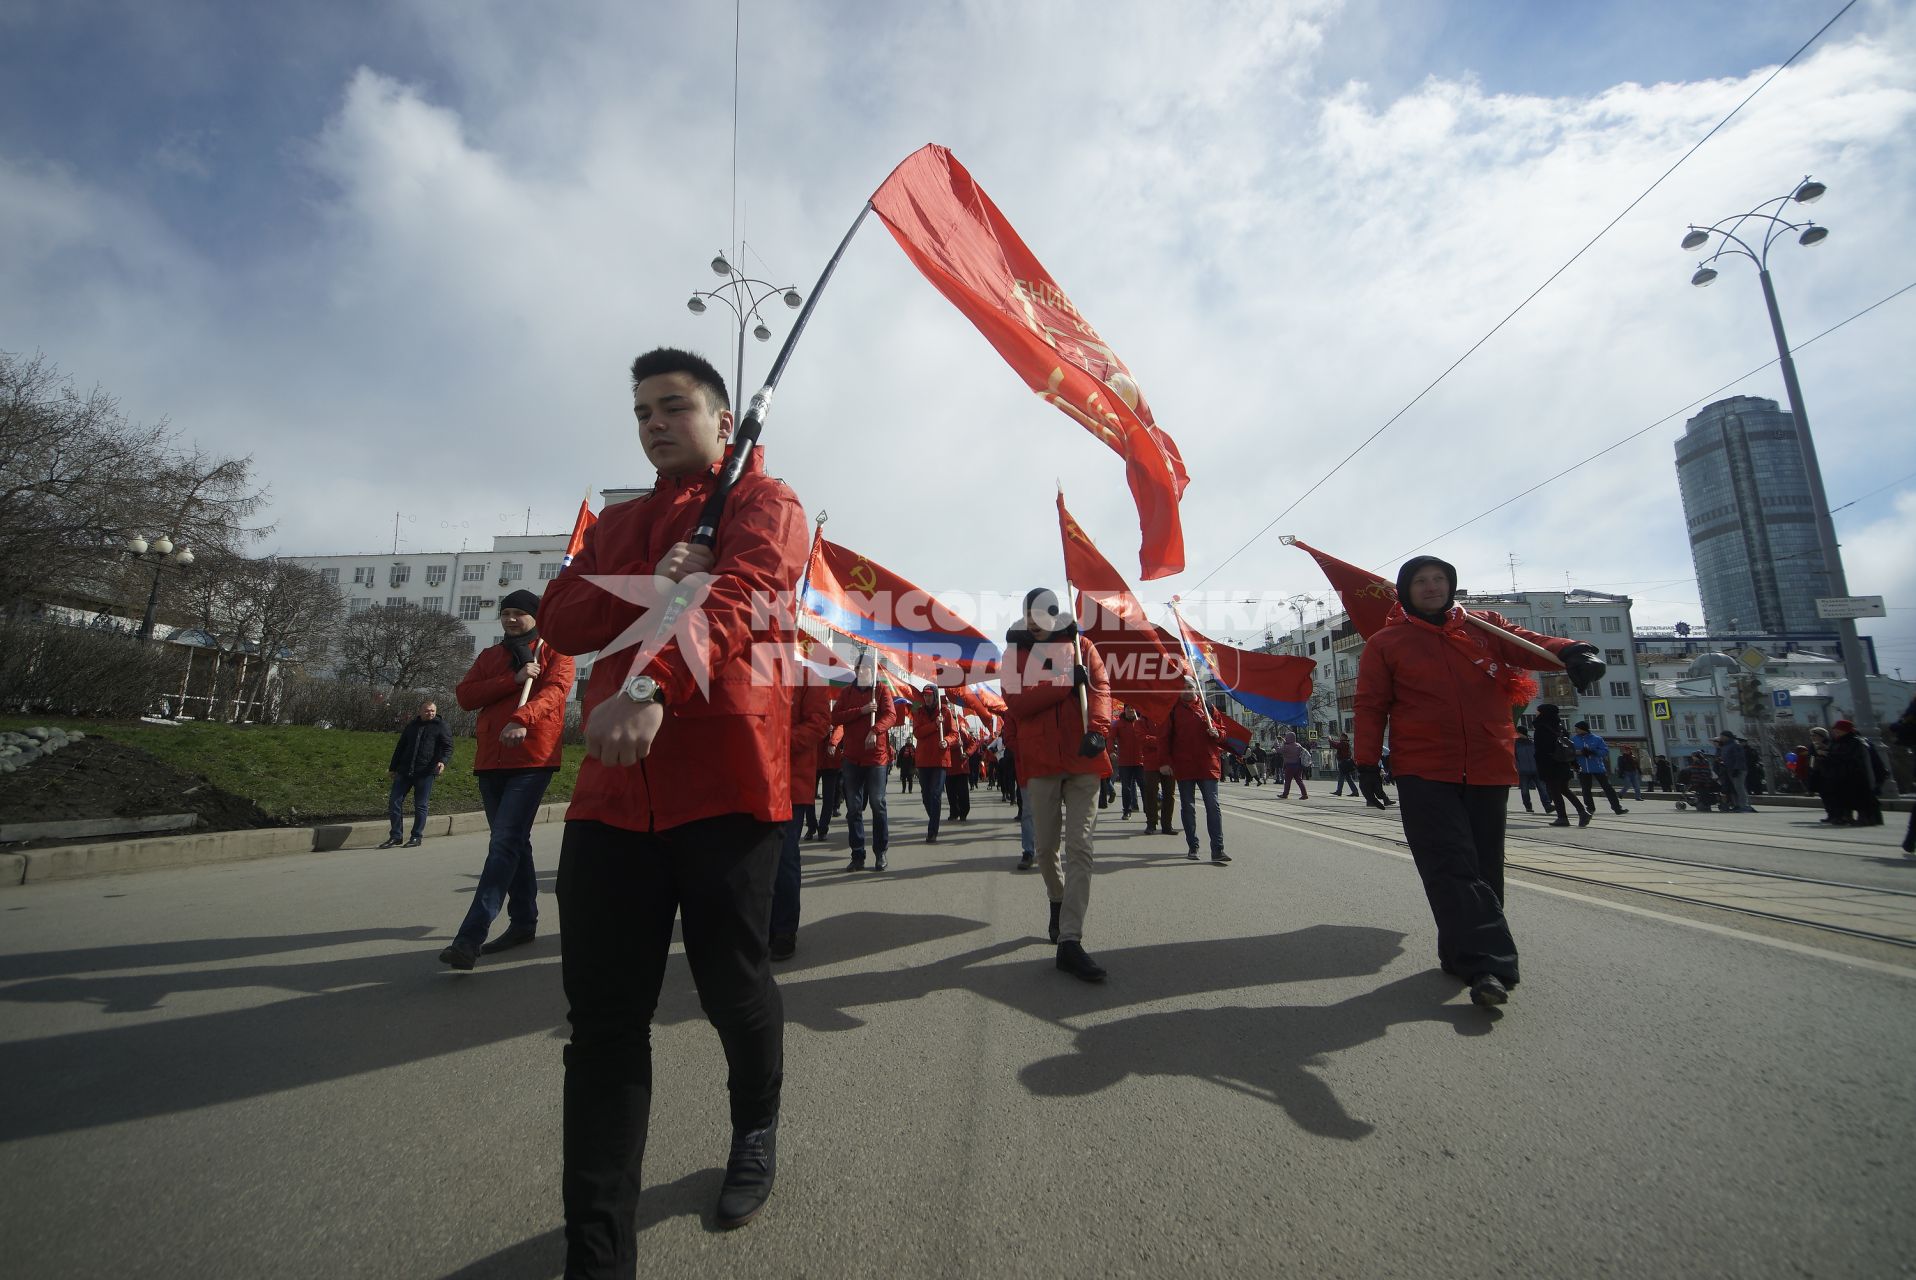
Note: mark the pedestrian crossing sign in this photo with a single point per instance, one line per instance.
(1659, 708)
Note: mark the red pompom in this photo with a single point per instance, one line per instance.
(1519, 685)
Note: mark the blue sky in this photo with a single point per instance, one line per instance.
(308, 232)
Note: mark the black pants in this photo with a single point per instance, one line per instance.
(1555, 789)
(1603, 781)
(830, 783)
(1456, 836)
(1159, 792)
(618, 893)
(958, 794)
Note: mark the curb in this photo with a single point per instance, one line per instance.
(119, 857)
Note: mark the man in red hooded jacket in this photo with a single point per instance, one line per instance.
(1056, 689)
(867, 710)
(1444, 687)
(518, 754)
(681, 806)
(1192, 742)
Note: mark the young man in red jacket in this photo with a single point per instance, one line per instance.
(1192, 742)
(1444, 688)
(680, 808)
(934, 728)
(1056, 690)
(1130, 732)
(866, 711)
(1160, 788)
(518, 754)
(811, 722)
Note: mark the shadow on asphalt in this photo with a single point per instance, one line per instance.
(543, 1256)
(154, 955)
(1263, 1052)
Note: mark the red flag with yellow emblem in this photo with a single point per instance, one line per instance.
(956, 236)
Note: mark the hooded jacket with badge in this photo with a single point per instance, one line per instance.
(1051, 727)
(1443, 686)
(724, 749)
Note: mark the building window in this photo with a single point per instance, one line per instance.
(473, 573)
(358, 604)
(395, 602)
(400, 575)
(509, 571)
(1579, 624)
(1626, 724)
(472, 644)
(469, 608)
(548, 570)
(1619, 688)
(363, 576)
(433, 604)
(435, 575)
(1614, 657)
(1612, 623)
(1309, 648)
(1596, 724)
(329, 576)
(1549, 626)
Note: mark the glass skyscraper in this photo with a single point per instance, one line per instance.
(1746, 501)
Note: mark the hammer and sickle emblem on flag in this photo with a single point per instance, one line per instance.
(865, 578)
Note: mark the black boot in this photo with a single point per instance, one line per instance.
(1487, 989)
(1056, 907)
(1073, 960)
(748, 1176)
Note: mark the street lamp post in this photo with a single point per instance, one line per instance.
(162, 555)
(1767, 218)
(743, 294)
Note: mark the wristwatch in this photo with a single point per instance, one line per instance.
(643, 689)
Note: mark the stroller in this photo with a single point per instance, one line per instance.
(1697, 785)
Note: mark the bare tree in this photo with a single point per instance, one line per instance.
(259, 614)
(401, 646)
(77, 479)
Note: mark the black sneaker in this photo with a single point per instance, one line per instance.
(856, 864)
(783, 945)
(1620, 812)
(1561, 822)
(1026, 861)
(413, 843)
(1073, 960)
(1056, 908)
(1220, 857)
(459, 955)
(1191, 854)
(508, 940)
(1486, 989)
(1583, 819)
(879, 863)
(392, 843)
(749, 1172)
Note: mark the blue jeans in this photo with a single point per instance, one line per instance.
(1633, 783)
(1025, 832)
(421, 788)
(863, 782)
(931, 784)
(512, 802)
(1528, 781)
(1213, 816)
(786, 880)
(1132, 778)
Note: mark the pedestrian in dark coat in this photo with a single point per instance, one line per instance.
(1850, 778)
(419, 757)
(1556, 757)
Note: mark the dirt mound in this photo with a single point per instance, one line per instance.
(98, 778)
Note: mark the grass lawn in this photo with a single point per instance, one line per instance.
(296, 773)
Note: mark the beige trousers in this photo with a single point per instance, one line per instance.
(1064, 810)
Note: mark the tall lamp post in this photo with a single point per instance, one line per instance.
(743, 294)
(162, 555)
(1750, 235)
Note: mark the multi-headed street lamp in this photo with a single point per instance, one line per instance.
(1750, 235)
(743, 294)
(162, 555)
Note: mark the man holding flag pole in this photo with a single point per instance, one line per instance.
(867, 711)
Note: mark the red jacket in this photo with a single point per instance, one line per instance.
(1449, 717)
(939, 740)
(811, 725)
(853, 710)
(491, 688)
(1152, 754)
(719, 752)
(1050, 724)
(831, 748)
(1130, 735)
(1191, 743)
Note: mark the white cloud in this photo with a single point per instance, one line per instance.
(1283, 264)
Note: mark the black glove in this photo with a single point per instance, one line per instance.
(1583, 666)
(1080, 678)
(1370, 784)
(1093, 744)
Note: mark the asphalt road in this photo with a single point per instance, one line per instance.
(260, 1069)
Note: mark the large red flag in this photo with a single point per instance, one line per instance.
(584, 521)
(1138, 657)
(1091, 575)
(1367, 597)
(952, 232)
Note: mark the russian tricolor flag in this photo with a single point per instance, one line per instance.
(1272, 685)
(855, 595)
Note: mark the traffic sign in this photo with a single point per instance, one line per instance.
(1851, 607)
(1753, 658)
(1659, 708)
(1781, 697)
